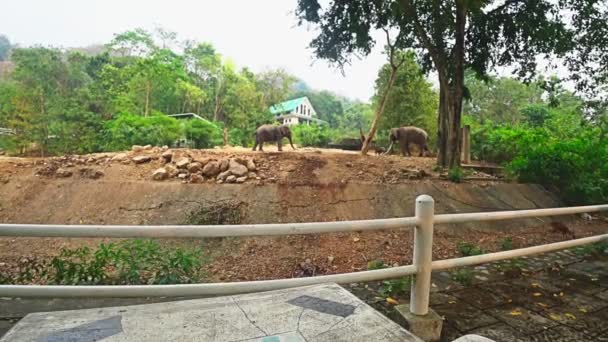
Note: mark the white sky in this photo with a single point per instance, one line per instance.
(256, 34)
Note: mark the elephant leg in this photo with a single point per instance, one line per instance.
(255, 144)
(279, 145)
(261, 146)
(407, 149)
(421, 150)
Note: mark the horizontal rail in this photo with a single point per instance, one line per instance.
(180, 231)
(185, 290)
(516, 253)
(516, 214)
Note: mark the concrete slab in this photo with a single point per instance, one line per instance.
(312, 313)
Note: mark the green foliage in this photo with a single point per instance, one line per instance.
(411, 101)
(464, 276)
(127, 130)
(204, 134)
(131, 262)
(455, 175)
(469, 249)
(5, 47)
(396, 287)
(506, 244)
(313, 135)
(376, 265)
(596, 249)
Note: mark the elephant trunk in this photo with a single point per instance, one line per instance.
(290, 143)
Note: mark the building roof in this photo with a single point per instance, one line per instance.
(286, 106)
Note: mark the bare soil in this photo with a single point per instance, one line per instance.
(294, 186)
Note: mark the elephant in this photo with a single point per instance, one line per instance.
(272, 133)
(409, 135)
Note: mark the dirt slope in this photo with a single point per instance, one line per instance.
(303, 186)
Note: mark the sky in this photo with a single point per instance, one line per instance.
(256, 34)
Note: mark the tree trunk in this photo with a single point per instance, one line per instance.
(147, 104)
(442, 125)
(372, 132)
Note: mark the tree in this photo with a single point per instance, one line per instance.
(134, 43)
(5, 47)
(275, 85)
(449, 37)
(412, 101)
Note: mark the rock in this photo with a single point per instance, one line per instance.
(147, 147)
(160, 174)
(63, 173)
(349, 164)
(196, 178)
(224, 164)
(241, 179)
(195, 167)
(167, 156)
(137, 148)
(182, 176)
(172, 171)
(120, 157)
(90, 173)
(220, 181)
(141, 159)
(290, 168)
(330, 259)
(251, 175)
(211, 169)
(231, 179)
(237, 169)
(183, 163)
(164, 148)
(223, 175)
(251, 165)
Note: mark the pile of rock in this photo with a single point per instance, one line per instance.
(394, 176)
(188, 169)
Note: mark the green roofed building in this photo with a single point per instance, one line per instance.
(295, 112)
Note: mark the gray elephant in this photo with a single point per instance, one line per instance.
(272, 133)
(409, 135)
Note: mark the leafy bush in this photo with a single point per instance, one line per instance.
(313, 135)
(125, 263)
(376, 265)
(240, 137)
(455, 175)
(396, 287)
(463, 276)
(469, 249)
(506, 244)
(126, 130)
(204, 134)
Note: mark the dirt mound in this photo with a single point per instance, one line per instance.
(307, 185)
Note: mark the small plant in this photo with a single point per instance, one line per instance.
(376, 265)
(596, 249)
(455, 175)
(463, 276)
(512, 265)
(469, 249)
(395, 287)
(506, 244)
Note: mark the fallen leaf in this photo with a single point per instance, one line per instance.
(582, 310)
(391, 301)
(356, 239)
(542, 304)
(509, 300)
(555, 317)
(569, 315)
(537, 294)
(593, 279)
(561, 294)
(536, 285)
(452, 302)
(515, 313)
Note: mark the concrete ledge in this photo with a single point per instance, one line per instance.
(473, 338)
(426, 327)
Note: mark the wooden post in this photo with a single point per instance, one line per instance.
(466, 144)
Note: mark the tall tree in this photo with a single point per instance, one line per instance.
(5, 47)
(449, 36)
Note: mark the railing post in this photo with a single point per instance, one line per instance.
(423, 255)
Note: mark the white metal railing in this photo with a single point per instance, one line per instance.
(422, 266)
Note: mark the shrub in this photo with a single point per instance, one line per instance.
(376, 265)
(126, 263)
(455, 175)
(463, 276)
(126, 130)
(506, 244)
(396, 287)
(313, 135)
(203, 133)
(469, 249)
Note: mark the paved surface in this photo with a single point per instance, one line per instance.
(314, 313)
(554, 297)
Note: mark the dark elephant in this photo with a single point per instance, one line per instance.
(272, 133)
(409, 135)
